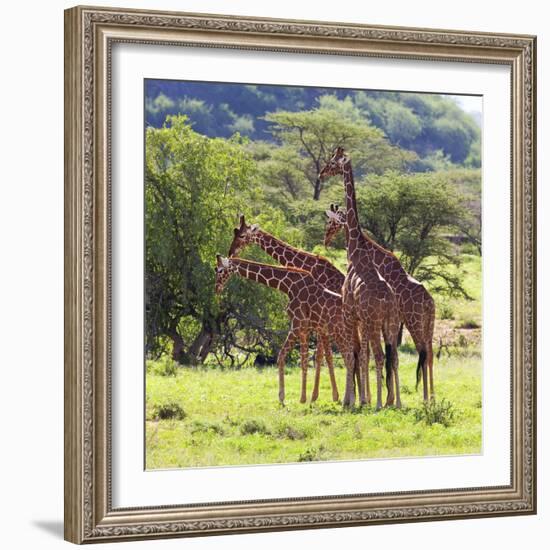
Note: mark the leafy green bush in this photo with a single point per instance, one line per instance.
(436, 412)
(164, 366)
(311, 454)
(254, 426)
(165, 411)
(289, 432)
(205, 427)
(469, 324)
(445, 311)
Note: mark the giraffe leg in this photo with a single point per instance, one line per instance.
(367, 374)
(389, 358)
(330, 366)
(379, 360)
(420, 342)
(430, 362)
(425, 378)
(395, 368)
(349, 395)
(318, 362)
(357, 379)
(364, 360)
(304, 356)
(281, 359)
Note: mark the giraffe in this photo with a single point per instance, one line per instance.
(311, 307)
(416, 306)
(369, 302)
(322, 270)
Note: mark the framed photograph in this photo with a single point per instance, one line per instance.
(300, 274)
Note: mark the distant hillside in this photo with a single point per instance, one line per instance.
(431, 125)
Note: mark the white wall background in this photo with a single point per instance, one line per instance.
(31, 272)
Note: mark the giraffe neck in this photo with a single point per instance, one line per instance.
(282, 252)
(354, 235)
(269, 275)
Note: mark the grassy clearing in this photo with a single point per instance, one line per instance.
(213, 417)
(225, 417)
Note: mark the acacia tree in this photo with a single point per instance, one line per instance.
(410, 214)
(194, 189)
(314, 134)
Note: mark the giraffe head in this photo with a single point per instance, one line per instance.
(335, 166)
(336, 219)
(224, 269)
(242, 236)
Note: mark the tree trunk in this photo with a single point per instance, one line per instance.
(201, 345)
(177, 347)
(317, 189)
(206, 347)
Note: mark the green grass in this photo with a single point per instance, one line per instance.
(233, 417)
(466, 313)
(213, 417)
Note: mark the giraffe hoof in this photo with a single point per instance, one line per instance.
(303, 399)
(336, 398)
(314, 397)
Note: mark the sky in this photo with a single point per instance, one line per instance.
(469, 103)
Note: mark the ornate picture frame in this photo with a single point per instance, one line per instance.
(90, 34)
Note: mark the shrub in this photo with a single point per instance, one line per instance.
(205, 427)
(469, 324)
(254, 426)
(165, 366)
(289, 432)
(311, 454)
(169, 410)
(445, 311)
(436, 412)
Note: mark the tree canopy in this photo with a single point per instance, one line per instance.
(258, 152)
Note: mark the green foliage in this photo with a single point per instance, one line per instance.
(164, 366)
(199, 426)
(223, 404)
(314, 134)
(195, 187)
(410, 214)
(166, 411)
(424, 123)
(254, 426)
(311, 454)
(436, 412)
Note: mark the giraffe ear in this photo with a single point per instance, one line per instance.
(243, 223)
(219, 260)
(254, 227)
(331, 215)
(236, 231)
(332, 207)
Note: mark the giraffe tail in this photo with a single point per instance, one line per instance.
(421, 365)
(389, 361)
(400, 334)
